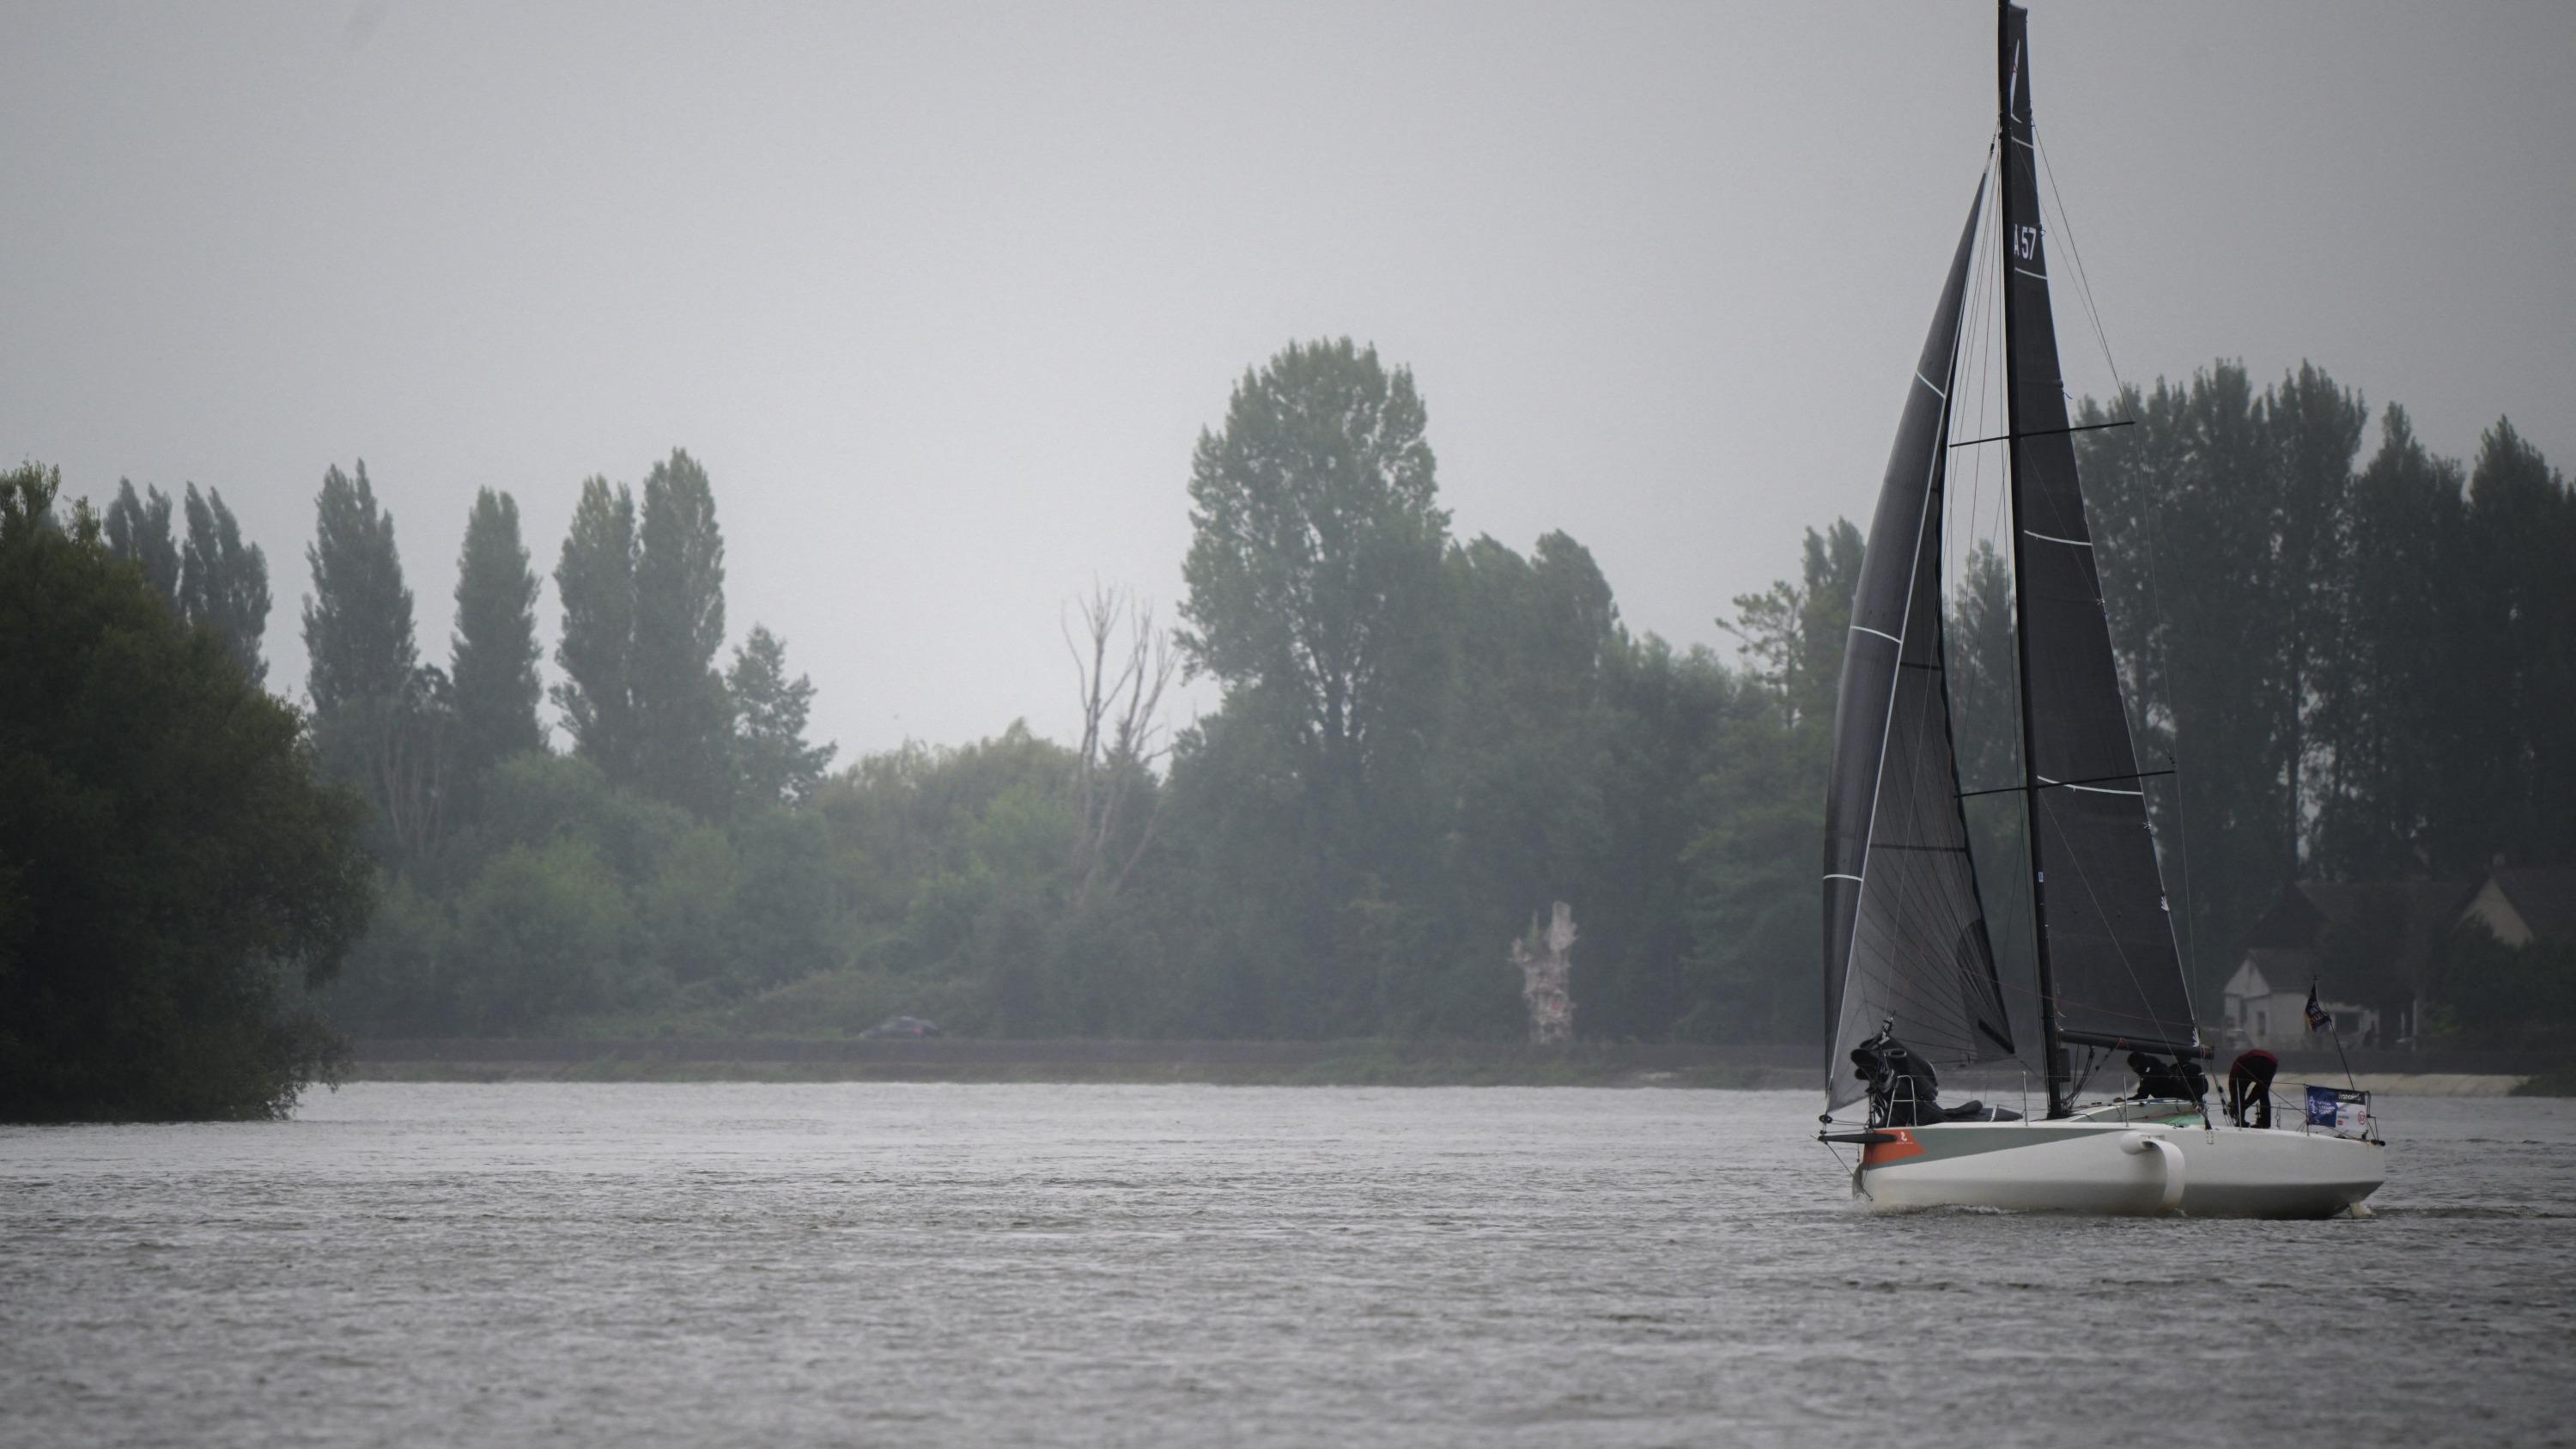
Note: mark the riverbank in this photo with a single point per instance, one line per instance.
(1222, 1063)
(1235, 1063)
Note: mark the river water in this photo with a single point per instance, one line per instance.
(936, 1264)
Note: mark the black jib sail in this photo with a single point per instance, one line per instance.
(1905, 936)
(2106, 945)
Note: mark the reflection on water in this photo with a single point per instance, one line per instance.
(775, 1265)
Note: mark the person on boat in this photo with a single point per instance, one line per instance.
(2249, 1088)
(2196, 1079)
(1903, 1089)
(2163, 1080)
(1905, 1092)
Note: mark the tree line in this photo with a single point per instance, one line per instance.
(2358, 667)
(1421, 740)
(2360, 660)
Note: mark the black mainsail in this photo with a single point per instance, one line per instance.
(1905, 935)
(2108, 972)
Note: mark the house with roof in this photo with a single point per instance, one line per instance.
(2523, 903)
(2375, 950)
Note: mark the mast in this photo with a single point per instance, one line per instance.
(2008, 62)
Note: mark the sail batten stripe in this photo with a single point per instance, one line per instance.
(1837, 875)
(1927, 382)
(2053, 538)
(2027, 272)
(1882, 633)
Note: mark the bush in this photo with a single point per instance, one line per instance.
(173, 879)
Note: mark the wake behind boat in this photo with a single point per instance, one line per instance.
(1911, 975)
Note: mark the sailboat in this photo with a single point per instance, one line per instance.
(1913, 982)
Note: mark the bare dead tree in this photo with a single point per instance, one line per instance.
(1122, 663)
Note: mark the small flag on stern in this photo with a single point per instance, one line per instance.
(2344, 1112)
(2319, 1019)
(2322, 1102)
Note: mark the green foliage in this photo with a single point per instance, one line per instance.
(2358, 672)
(570, 898)
(786, 923)
(2517, 998)
(1314, 568)
(1419, 744)
(172, 880)
(684, 719)
(1752, 902)
(216, 580)
(382, 721)
(2513, 653)
(357, 621)
(395, 979)
(138, 529)
(2382, 813)
(1793, 634)
(223, 582)
(595, 579)
(774, 764)
(538, 937)
(494, 664)
(643, 603)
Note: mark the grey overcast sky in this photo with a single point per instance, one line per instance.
(942, 294)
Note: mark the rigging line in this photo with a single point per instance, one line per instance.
(2094, 315)
(2084, 878)
(2155, 598)
(2075, 254)
(1936, 914)
(2146, 1017)
(1954, 822)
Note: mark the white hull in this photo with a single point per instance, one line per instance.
(2079, 1166)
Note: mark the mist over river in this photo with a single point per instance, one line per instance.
(939, 1264)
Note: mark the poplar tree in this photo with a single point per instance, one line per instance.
(2516, 688)
(683, 717)
(595, 581)
(2381, 720)
(223, 582)
(357, 621)
(381, 718)
(494, 649)
(138, 530)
